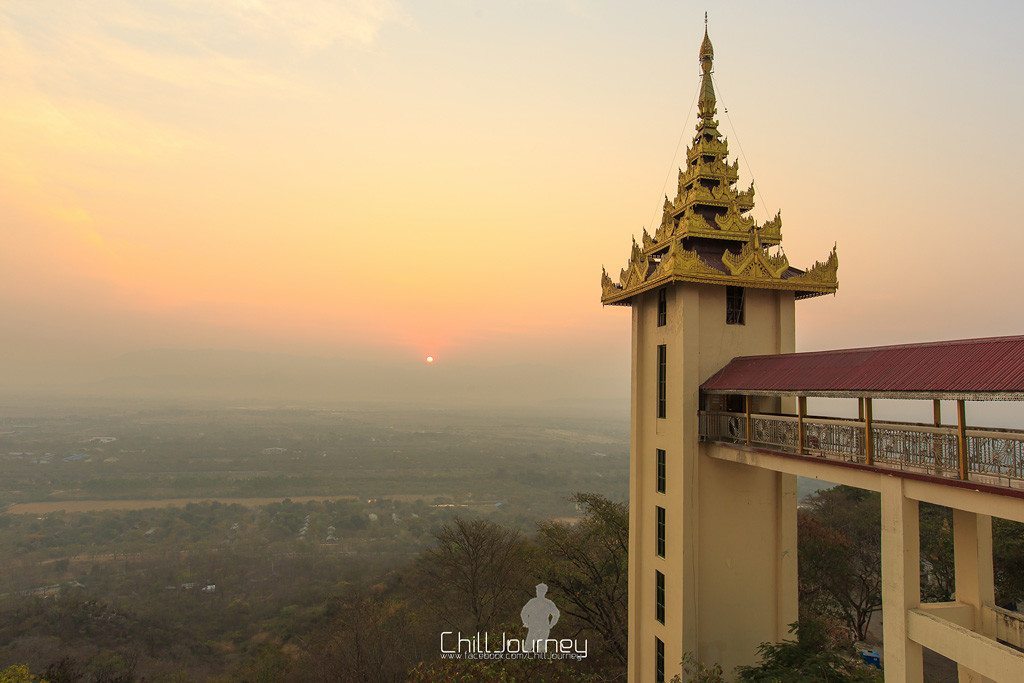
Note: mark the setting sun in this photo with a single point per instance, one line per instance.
(430, 360)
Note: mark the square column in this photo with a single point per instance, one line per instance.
(901, 581)
(975, 580)
(787, 579)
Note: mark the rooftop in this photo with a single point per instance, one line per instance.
(706, 234)
(966, 369)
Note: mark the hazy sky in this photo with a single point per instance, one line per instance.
(381, 179)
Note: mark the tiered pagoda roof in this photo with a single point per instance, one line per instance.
(706, 233)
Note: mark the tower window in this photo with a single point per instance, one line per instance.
(734, 306)
(659, 660)
(660, 536)
(661, 470)
(659, 596)
(662, 373)
(662, 306)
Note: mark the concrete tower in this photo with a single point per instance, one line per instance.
(713, 547)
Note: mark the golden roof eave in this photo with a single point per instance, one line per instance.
(710, 214)
(753, 268)
(802, 291)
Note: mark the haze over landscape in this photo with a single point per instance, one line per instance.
(302, 355)
(275, 201)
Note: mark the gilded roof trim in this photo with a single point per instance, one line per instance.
(708, 209)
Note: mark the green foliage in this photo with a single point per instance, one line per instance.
(477, 578)
(476, 574)
(1008, 541)
(65, 670)
(586, 565)
(696, 671)
(268, 664)
(516, 671)
(810, 658)
(937, 566)
(937, 569)
(18, 673)
(841, 555)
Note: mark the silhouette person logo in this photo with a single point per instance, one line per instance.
(539, 615)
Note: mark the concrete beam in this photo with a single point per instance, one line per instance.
(958, 613)
(967, 499)
(1009, 625)
(957, 497)
(983, 655)
(803, 466)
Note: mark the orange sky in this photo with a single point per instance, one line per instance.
(390, 179)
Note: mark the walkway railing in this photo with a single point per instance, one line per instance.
(987, 456)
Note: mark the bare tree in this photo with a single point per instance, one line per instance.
(587, 565)
(841, 556)
(477, 574)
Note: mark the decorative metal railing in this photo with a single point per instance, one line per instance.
(997, 454)
(990, 456)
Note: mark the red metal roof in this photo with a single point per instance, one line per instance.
(964, 368)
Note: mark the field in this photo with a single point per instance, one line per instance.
(214, 529)
(56, 456)
(42, 508)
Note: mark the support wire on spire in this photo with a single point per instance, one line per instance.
(746, 162)
(668, 174)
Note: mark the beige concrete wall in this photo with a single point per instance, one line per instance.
(730, 561)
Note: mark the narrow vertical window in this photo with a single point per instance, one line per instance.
(661, 470)
(662, 306)
(734, 306)
(662, 372)
(659, 661)
(659, 596)
(660, 537)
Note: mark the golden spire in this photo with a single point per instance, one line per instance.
(706, 105)
(709, 210)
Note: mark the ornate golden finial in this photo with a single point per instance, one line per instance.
(706, 105)
(706, 48)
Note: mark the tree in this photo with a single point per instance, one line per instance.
(17, 673)
(505, 671)
(587, 565)
(1008, 539)
(938, 574)
(66, 670)
(841, 555)
(696, 671)
(810, 658)
(477, 574)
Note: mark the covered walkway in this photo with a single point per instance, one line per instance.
(744, 402)
(754, 412)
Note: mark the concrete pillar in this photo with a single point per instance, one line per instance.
(787, 572)
(901, 581)
(975, 581)
(687, 531)
(636, 502)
